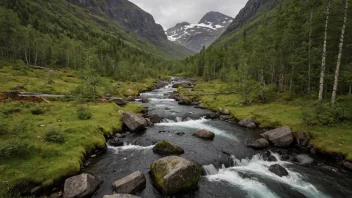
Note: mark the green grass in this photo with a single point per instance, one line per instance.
(334, 138)
(47, 161)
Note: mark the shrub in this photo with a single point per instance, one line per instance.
(39, 109)
(54, 135)
(8, 110)
(21, 127)
(15, 148)
(20, 65)
(3, 128)
(84, 113)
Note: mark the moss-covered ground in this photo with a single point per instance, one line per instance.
(280, 112)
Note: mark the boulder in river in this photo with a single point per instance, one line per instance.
(154, 118)
(144, 100)
(115, 142)
(119, 101)
(180, 133)
(301, 138)
(348, 165)
(130, 184)
(259, 144)
(167, 148)
(204, 134)
(80, 186)
(120, 196)
(304, 159)
(134, 123)
(248, 122)
(278, 170)
(281, 137)
(175, 174)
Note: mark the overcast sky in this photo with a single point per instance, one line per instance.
(169, 12)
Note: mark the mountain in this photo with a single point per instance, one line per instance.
(195, 36)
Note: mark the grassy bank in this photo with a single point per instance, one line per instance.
(42, 142)
(282, 111)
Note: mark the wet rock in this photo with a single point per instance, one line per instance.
(281, 137)
(259, 144)
(204, 134)
(134, 123)
(119, 135)
(175, 174)
(130, 184)
(226, 112)
(278, 170)
(348, 165)
(150, 123)
(167, 108)
(144, 100)
(304, 159)
(115, 142)
(167, 148)
(195, 103)
(248, 122)
(185, 101)
(269, 157)
(56, 195)
(225, 117)
(312, 151)
(154, 118)
(301, 138)
(119, 101)
(180, 133)
(285, 157)
(80, 186)
(120, 196)
(211, 116)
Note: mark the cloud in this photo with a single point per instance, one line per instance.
(170, 12)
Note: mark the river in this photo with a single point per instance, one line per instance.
(232, 169)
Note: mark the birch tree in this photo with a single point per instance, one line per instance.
(337, 72)
(323, 63)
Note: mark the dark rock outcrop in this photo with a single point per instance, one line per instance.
(130, 184)
(281, 137)
(278, 170)
(259, 144)
(175, 174)
(167, 148)
(204, 134)
(115, 142)
(134, 123)
(80, 186)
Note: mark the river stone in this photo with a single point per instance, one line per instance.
(259, 144)
(204, 134)
(304, 159)
(80, 186)
(115, 142)
(134, 123)
(278, 170)
(185, 101)
(248, 122)
(175, 174)
(119, 101)
(281, 137)
(180, 133)
(167, 148)
(130, 184)
(120, 196)
(226, 112)
(144, 100)
(301, 138)
(154, 118)
(348, 165)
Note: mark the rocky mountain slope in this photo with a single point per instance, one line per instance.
(195, 36)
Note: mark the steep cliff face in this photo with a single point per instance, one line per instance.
(245, 14)
(195, 36)
(127, 14)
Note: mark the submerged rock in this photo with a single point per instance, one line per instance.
(175, 174)
(115, 142)
(304, 159)
(281, 137)
(134, 123)
(259, 144)
(80, 186)
(130, 184)
(120, 196)
(167, 148)
(180, 133)
(204, 134)
(278, 170)
(154, 118)
(144, 100)
(248, 122)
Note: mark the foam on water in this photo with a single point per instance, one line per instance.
(258, 166)
(129, 147)
(197, 124)
(161, 99)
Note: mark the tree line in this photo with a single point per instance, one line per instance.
(300, 47)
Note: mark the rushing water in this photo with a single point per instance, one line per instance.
(232, 169)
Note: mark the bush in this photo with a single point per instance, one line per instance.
(54, 135)
(39, 109)
(3, 128)
(21, 127)
(20, 66)
(8, 110)
(84, 113)
(15, 148)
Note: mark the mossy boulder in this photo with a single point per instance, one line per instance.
(175, 174)
(167, 148)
